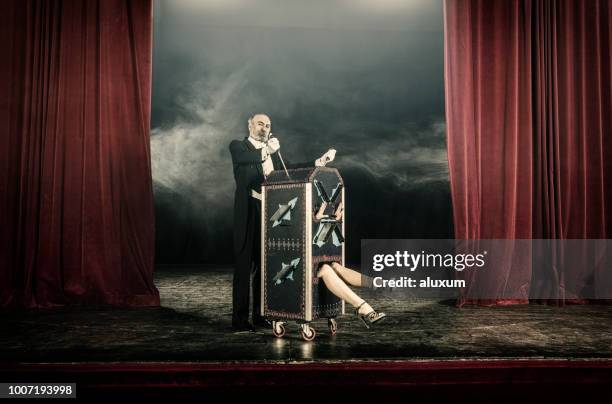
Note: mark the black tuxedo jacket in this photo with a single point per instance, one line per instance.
(248, 173)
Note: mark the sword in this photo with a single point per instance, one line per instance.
(280, 156)
(283, 163)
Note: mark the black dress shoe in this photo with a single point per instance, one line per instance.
(243, 327)
(262, 322)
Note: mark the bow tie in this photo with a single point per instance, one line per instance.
(257, 143)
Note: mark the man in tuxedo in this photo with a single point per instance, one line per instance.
(253, 158)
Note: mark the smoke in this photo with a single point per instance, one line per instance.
(191, 158)
(365, 80)
(413, 158)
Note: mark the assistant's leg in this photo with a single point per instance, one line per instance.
(321, 212)
(339, 288)
(352, 277)
(339, 211)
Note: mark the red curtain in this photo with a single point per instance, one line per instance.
(529, 121)
(573, 119)
(75, 177)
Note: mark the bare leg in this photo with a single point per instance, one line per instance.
(320, 213)
(339, 211)
(339, 288)
(349, 276)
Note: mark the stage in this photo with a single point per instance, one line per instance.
(193, 325)
(136, 133)
(188, 343)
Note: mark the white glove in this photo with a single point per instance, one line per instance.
(328, 157)
(273, 145)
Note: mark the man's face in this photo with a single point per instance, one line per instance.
(259, 127)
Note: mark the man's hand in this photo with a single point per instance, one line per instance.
(273, 145)
(328, 157)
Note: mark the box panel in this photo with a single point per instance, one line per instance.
(284, 258)
(293, 246)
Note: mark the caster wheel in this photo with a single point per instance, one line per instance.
(278, 329)
(332, 325)
(308, 333)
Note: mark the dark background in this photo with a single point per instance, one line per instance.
(363, 77)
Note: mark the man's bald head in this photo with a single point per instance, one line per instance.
(259, 127)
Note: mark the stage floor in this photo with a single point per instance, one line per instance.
(193, 325)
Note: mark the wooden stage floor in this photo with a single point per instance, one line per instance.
(191, 331)
(193, 324)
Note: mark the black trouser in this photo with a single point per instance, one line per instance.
(248, 263)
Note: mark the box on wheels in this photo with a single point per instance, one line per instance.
(298, 235)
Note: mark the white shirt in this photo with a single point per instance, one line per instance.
(266, 164)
